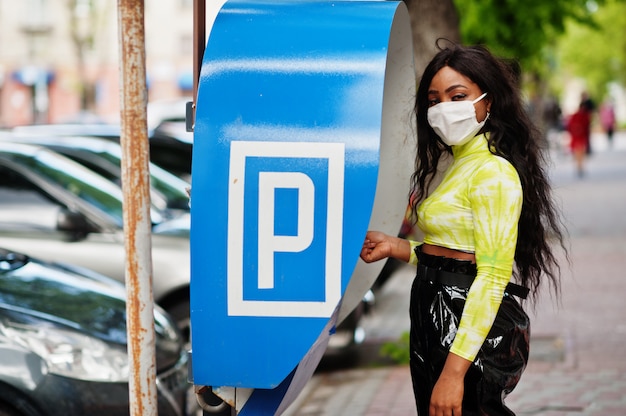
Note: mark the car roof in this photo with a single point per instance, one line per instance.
(93, 143)
(170, 144)
(94, 129)
(89, 151)
(22, 148)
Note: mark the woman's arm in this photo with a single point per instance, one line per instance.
(496, 200)
(447, 395)
(378, 245)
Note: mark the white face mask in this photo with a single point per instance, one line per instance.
(455, 121)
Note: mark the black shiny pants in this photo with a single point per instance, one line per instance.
(435, 314)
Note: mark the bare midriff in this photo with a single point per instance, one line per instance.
(447, 252)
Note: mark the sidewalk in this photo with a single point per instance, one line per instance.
(578, 348)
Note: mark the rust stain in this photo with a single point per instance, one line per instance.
(135, 179)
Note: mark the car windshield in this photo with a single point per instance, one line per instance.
(169, 185)
(81, 182)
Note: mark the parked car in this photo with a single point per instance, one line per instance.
(170, 149)
(104, 157)
(63, 344)
(56, 209)
(167, 110)
(47, 209)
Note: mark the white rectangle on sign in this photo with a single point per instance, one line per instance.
(267, 242)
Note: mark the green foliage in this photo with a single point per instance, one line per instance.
(518, 29)
(552, 40)
(398, 351)
(596, 54)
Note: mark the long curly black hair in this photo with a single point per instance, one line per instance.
(512, 136)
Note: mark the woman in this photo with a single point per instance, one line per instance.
(492, 211)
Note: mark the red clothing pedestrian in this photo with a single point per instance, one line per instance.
(578, 127)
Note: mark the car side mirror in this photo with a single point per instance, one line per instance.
(73, 223)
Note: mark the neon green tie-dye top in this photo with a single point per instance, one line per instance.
(476, 208)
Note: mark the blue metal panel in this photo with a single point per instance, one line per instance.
(285, 168)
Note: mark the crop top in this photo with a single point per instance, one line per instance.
(476, 208)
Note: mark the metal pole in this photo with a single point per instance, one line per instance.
(137, 224)
(199, 44)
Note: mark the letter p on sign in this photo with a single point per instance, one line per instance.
(269, 242)
(305, 228)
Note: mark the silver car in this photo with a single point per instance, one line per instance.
(104, 157)
(63, 344)
(56, 209)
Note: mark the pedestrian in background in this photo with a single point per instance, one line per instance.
(553, 123)
(579, 129)
(490, 218)
(589, 105)
(607, 119)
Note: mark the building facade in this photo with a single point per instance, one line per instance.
(59, 59)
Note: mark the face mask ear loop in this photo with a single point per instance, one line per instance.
(479, 98)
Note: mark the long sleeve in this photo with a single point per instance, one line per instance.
(495, 198)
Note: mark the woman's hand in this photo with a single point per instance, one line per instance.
(378, 245)
(447, 396)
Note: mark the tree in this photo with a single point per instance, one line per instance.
(87, 19)
(519, 29)
(82, 38)
(431, 20)
(597, 53)
(523, 30)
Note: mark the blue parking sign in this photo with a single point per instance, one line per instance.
(300, 145)
(285, 211)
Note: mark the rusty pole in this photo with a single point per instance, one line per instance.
(137, 224)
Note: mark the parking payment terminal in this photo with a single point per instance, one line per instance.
(303, 141)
